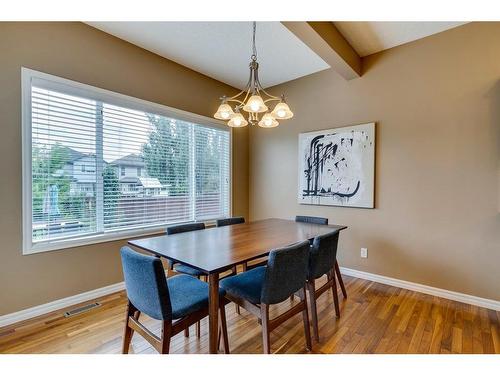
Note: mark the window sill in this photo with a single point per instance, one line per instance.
(37, 248)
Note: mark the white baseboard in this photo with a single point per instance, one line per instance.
(455, 296)
(32, 312)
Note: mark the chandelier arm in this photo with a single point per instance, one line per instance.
(271, 100)
(234, 100)
(260, 88)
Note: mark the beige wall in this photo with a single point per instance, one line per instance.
(79, 52)
(436, 102)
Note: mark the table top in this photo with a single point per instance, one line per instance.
(219, 248)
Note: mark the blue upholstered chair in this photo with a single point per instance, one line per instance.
(185, 269)
(284, 275)
(322, 262)
(178, 301)
(230, 221)
(182, 228)
(324, 221)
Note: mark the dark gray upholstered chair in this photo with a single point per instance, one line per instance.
(285, 274)
(230, 221)
(178, 301)
(312, 219)
(324, 221)
(322, 262)
(182, 268)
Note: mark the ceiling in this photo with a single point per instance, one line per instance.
(222, 50)
(371, 37)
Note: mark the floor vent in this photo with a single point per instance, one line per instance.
(82, 309)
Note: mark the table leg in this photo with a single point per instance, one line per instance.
(213, 310)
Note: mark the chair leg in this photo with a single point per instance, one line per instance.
(335, 294)
(166, 335)
(186, 332)
(198, 329)
(339, 277)
(223, 328)
(314, 312)
(238, 311)
(266, 340)
(305, 318)
(127, 335)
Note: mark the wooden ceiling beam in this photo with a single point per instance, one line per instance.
(328, 43)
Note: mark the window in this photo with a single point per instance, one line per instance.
(182, 162)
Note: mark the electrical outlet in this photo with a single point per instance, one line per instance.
(364, 252)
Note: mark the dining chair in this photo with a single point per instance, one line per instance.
(185, 269)
(257, 289)
(182, 268)
(178, 301)
(230, 221)
(322, 262)
(324, 221)
(233, 221)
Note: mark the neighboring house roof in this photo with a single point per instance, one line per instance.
(131, 160)
(146, 182)
(150, 182)
(75, 155)
(129, 180)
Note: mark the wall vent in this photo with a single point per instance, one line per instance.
(82, 309)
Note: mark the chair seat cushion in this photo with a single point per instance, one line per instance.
(187, 295)
(182, 268)
(246, 285)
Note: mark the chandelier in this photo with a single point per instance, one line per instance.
(253, 100)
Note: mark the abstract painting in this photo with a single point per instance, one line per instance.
(337, 166)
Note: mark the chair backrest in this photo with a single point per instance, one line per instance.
(230, 221)
(146, 284)
(312, 219)
(181, 228)
(323, 254)
(286, 272)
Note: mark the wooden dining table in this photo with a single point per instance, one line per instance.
(218, 249)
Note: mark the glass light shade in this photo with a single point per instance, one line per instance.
(282, 111)
(255, 104)
(237, 121)
(268, 121)
(224, 112)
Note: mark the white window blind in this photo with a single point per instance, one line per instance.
(99, 168)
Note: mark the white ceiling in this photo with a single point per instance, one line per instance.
(222, 50)
(371, 37)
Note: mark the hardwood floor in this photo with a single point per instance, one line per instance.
(375, 318)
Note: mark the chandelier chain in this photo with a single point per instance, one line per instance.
(254, 48)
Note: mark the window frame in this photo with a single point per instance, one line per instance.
(28, 76)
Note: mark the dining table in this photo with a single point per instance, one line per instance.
(216, 250)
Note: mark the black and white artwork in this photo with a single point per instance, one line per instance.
(337, 166)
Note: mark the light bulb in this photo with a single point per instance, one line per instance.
(268, 121)
(224, 112)
(237, 121)
(282, 111)
(255, 104)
